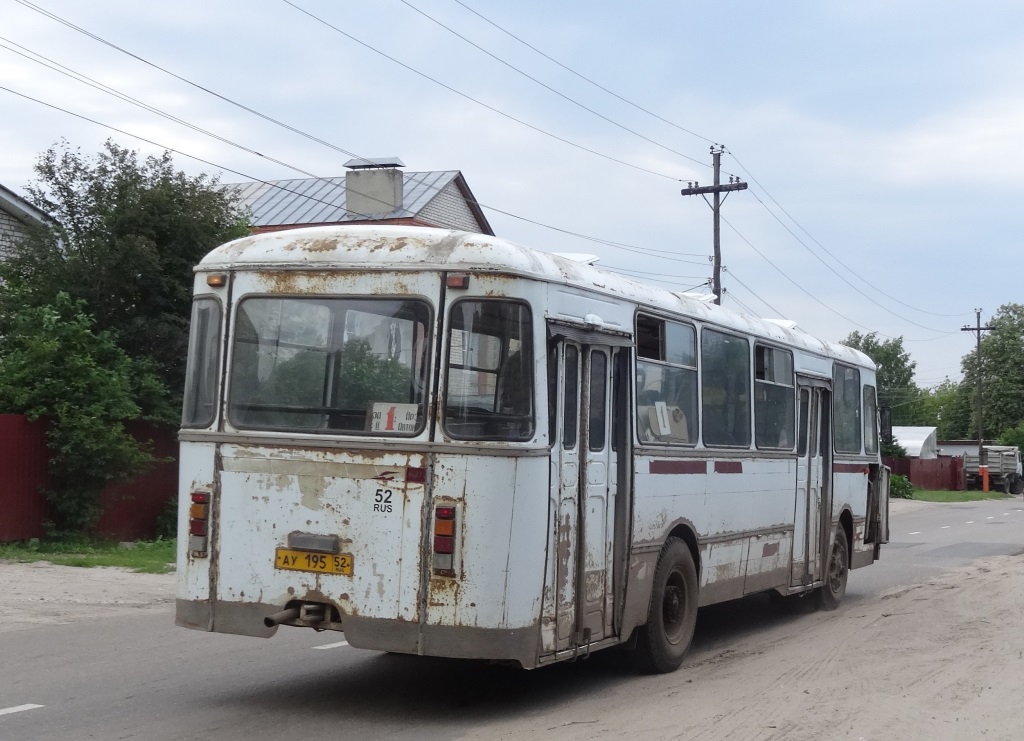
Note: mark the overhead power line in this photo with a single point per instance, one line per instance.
(477, 101)
(639, 250)
(671, 255)
(548, 87)
(586, 79)
(830, 253)
(637, 106)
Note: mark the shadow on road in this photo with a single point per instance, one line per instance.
(398, 690)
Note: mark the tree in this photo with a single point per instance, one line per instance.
(895, 375)
(947, 407)
(1002, 368)
(54, 365)
(126, 236)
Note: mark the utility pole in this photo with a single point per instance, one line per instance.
(978, 329)
(716, 190)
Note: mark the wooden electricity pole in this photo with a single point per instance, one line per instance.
(716, 190)
(978, 329)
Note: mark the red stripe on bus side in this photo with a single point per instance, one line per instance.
(849, 468)
(679, 467)
(728, 467)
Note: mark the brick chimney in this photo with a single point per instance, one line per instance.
(373, 187)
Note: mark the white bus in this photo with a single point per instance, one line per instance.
(446, 444)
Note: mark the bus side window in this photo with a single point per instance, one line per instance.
(725, 383)
(666, 381)
(870, 420)
(773, 398)
(846, 408)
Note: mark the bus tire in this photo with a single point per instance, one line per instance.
(663, 641)
(837, 572)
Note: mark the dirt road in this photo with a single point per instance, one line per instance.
(940, 660)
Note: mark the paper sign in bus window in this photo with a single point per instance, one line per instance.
(393, 417)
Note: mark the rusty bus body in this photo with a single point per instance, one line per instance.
(445, 444)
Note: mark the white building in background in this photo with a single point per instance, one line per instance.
(16, 214)
(919, 442)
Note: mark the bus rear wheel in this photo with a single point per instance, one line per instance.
(663, 641)
(837, 571)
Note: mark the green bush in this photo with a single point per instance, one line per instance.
(53, 365)
(900, 487)
(167, 520)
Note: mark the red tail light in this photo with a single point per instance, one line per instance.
(444, 540)
(199, 523)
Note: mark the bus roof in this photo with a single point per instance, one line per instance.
(398, 248)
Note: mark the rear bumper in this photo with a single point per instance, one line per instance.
(378, 634)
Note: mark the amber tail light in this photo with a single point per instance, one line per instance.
(199, 523)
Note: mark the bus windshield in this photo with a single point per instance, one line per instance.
(330, 364)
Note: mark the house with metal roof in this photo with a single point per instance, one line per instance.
(16, 215)
(374, 191)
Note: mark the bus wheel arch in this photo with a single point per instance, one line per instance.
(663, 640)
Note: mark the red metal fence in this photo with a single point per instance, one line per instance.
(942, 473)
(22, 477)
(130, 510)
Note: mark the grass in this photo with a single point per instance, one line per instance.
(151, 557)
(928, 495)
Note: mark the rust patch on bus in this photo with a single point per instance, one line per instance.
(295, 281)
(312, 245)
(443, 592)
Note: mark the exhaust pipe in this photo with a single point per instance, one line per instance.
(285, 616)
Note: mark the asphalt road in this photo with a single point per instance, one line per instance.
(139, 677)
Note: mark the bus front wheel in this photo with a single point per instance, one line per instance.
(663, 641)
(837, 571)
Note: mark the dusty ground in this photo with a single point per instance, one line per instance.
(940, 660)
(41, 593)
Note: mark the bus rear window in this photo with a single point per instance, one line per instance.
(489, 392)
(330, 365)
(200, 405)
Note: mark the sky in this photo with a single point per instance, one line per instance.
(882, 140)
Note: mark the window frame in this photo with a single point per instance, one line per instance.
(196, 380)
(323, 429)
(527, 341)
(840, 410)
(749, 376)
(692, 423)
(763, 346)
(870, 421)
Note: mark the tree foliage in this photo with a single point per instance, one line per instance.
(55, 366)
(1002, 374)
(126, 235)
(895, 374)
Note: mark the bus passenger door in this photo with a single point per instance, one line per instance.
(566, 448)
(587, 482)
(813, 475)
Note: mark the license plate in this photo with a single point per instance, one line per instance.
(321, 563)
